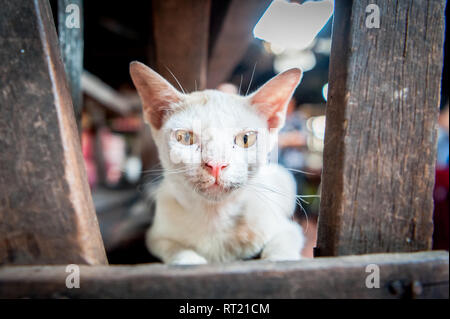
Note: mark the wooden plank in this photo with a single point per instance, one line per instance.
(425, 274)
(234, 38)
(219, 10)
(181, 31)
(71, 43)
(380, 141)
(108, 97)
(46, 210)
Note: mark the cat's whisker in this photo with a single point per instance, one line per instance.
(240, 84)
(157, 175)
(157, 166)
(298, 199)
(265, 198)
(164, 170)
(178, 82)
(306, 216)
(269, 200)
(301, 199)
(149, 171)
(281, 193)
(309, 196)
(251, 79)
(160, 174)
(300, 171)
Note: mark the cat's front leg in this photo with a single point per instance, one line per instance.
(285, 245)
(187, 257)
(172, 252)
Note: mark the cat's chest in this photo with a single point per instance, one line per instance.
(227, 240)
(226, 233)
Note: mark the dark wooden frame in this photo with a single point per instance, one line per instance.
(46, 211)
(380, 143)
(416, 275)
(350, 221)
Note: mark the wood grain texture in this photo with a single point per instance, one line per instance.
(342, 277)
(46, 210)
(181, 31)
(234, 38)
(71, 43)
(380, 142)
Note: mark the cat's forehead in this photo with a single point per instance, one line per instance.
(214, 109)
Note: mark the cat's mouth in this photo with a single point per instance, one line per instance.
(216, 189)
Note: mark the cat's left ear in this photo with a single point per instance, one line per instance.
(157, 95)
(272, 98)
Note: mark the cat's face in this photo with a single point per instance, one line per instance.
(209, 141)
(214, 142)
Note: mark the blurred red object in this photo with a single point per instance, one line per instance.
(441, 206)
(114, 155)
(126, 124)
(87, 146)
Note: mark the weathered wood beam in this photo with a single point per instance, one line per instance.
(380, 141)
(417, 275)
(234, 38)
(107, 96)
(46, 210)
(181, 31)
(71, 43)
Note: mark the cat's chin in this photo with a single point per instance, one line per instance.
(215, 192)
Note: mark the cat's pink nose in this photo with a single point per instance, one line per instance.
(215, 168)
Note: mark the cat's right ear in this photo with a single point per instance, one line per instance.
(157, 95)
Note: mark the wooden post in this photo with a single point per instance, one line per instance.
(46, 210)
(181, 31)
(70, 31)
(380, 142)
(234, 38)
(415, 275)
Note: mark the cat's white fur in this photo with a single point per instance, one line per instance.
(250, 213)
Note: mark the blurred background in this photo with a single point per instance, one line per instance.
(117, 146)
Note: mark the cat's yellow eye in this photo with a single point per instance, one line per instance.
(185, 137)
(245, 139)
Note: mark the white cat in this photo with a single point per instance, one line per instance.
(220, 200)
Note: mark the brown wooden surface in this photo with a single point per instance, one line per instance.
(342, 277)
(71, 44)
(234, 38)
(181, 31)
(380, 141)
(46, 210)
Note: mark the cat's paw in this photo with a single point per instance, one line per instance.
(188, 257)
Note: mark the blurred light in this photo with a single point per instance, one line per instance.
(293, 25)
(325, 92)
(305, 60)
(133, 169)
(323, 46)
(315, 144)
(276, 49)
(314, 161)
(266, 46)
(318, 127)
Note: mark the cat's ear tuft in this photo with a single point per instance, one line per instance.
(157, 95)
(272, 98)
